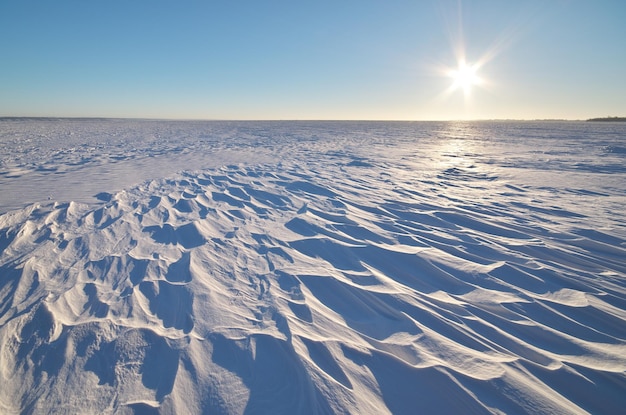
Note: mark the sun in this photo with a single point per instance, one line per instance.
(464, 77)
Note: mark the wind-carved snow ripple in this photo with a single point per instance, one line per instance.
(286, 290)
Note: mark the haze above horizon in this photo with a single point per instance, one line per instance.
(406, 60)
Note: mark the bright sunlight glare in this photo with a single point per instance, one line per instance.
(464, 77)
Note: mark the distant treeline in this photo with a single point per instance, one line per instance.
(622, 119)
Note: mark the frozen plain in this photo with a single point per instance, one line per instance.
(312, 267)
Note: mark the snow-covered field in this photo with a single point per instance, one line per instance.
(312, 267)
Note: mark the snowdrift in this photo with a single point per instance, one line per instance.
(341, 284)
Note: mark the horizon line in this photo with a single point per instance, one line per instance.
(87, 118)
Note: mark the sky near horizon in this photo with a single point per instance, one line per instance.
(313, 60)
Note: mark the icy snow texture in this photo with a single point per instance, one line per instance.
(325, 268)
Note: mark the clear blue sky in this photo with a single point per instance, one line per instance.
(312, 60)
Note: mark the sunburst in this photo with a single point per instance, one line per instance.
(464, 77)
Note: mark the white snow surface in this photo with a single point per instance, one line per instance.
(312, 267)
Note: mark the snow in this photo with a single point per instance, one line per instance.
(312, 267)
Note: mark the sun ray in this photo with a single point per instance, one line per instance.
(465, 75)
